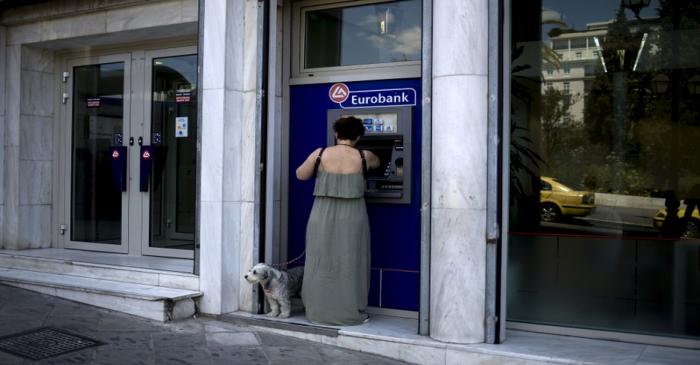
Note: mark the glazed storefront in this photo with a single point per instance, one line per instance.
(578, 223)
(604, 173)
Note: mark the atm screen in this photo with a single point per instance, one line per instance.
(378, 123)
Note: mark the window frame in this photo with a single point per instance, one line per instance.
(301, 75)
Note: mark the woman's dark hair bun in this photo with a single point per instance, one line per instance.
(349, 128)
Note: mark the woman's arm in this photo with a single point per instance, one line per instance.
(372, 159)
(306, 169)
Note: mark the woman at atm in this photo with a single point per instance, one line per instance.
(336, 273)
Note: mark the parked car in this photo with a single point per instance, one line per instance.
(692, 228)
(558, 200)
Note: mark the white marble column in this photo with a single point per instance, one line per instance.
(228, 158)
(458, 225)
(28, 148)
(3, 75)
(11, 147)
(36, 147)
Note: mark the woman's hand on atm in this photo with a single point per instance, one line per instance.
(372, 159)
(306, 170)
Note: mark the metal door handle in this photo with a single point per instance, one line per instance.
(131, 141)
(140, 141)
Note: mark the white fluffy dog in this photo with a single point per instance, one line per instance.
(278, 286)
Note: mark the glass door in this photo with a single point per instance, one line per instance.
(169, 205)
(131, 153)
(98, 113)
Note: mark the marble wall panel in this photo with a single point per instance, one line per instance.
(144, 16)
(2, 224)
(460, 38)
(232, 271)
(74, 26)
(214, 45)
(457, 275)
(234, 55)
(189, 10)
(211, 273)
(211, 172)
(250, 34)
(36, 138)
(246, 301)
(24, 14)
(11, 211)
(249, 144)
(232, 147)
(34, 226)
(23, 34)
(3, 35)
(2, 163)
(37, 59)
(458, 186)
(459, 142)
(12, 94)
(35, 178)
(231, 115)
(3, 55)
(213, 141)
(10, 177)
(37, 93)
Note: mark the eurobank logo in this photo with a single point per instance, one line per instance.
(352, 99)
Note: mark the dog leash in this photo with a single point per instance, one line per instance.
(290, 261)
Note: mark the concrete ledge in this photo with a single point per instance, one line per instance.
(100, 271)
(152, 302)
(98, 286)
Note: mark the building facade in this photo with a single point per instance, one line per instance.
(532, 173)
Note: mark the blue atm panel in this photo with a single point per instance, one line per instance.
(395, 228)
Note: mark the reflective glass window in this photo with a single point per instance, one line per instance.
(605, 172)
(579, 42)
(560, 44)
(364, 34)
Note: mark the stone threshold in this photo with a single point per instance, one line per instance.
(77, 264)
(396, 338)
(383, 335)
(104, 259)
(148, 301)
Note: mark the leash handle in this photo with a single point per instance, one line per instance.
(290, 261)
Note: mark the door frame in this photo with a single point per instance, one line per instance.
(134, 57)
(145, 202)
(67, 146)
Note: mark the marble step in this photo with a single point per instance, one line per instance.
(168, 279)
(148, 301)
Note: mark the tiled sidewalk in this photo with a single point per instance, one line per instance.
(132, 340)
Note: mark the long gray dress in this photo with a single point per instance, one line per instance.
(336, 275)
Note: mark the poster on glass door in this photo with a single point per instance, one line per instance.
(180, 127)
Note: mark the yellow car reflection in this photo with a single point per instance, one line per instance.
(692, 228)
(558, 200)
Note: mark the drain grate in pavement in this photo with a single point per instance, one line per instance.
(44, 342)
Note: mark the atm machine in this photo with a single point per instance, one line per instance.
(392, 191)
(387, 135)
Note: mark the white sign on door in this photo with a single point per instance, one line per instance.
(181, 127)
